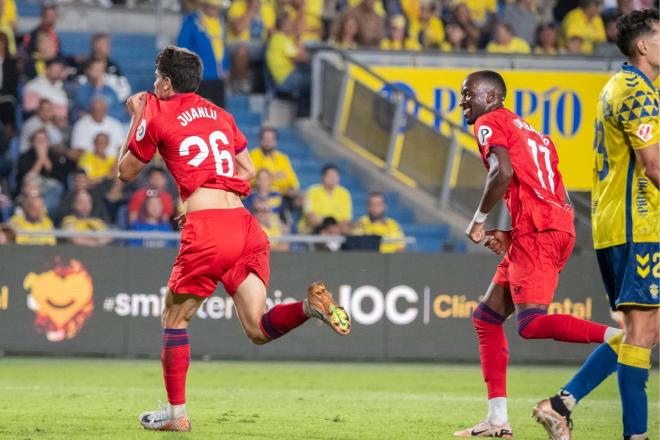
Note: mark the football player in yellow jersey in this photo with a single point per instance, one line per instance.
(626, 229)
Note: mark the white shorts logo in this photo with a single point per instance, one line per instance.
(483, 134)
(645, 132)
(141, 131)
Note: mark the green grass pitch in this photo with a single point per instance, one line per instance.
(101, 399)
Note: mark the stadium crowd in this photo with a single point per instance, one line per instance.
(63, 119)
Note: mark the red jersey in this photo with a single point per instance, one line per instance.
(536, 196)
(197, 140)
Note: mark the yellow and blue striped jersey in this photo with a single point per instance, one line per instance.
(624, 201)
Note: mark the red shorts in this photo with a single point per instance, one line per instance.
(219, 245)
(531, 267)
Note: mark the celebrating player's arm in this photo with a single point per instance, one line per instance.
(129, 165)
(500, 172)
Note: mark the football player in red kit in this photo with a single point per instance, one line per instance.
(220, 241)
(522, 169)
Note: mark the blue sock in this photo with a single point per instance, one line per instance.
(633, 372)
(598, 366)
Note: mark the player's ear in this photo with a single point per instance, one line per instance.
(641, 46)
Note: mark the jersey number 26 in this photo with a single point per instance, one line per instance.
(221, 157)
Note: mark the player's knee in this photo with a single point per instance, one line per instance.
(484, 314)
(640, 338)
(256, 335)
(527, 329)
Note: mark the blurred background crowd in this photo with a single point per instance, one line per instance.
(62, 115)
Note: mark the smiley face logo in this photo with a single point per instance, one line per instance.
(61, 299)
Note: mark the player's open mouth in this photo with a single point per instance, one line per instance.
(466, 112)
(59, 306)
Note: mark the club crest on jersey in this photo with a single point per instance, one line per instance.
(141, 131)
(645, 132)
(483, 134)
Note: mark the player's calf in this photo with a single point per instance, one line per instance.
(535, 323)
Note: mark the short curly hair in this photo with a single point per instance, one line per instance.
(632, 26)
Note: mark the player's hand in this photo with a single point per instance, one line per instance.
(181, 220)
(135, 103)
(475, 231)
(498, 241)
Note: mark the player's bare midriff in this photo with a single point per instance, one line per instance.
(212, 198)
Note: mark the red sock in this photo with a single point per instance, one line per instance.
(175, 357)
(282, 318)
(537, 324)
(493, 349)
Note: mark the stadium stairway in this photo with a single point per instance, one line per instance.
(430, 237)
(135, 54)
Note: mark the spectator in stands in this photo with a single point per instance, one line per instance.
(306, 18)
(371, 24)
(377, 223)
(585, 22)
(8, 85)
(201, 32)
(36, 61)
(328, 228)
(505, 41)
(250, 23)
(347, 33)
(284, 177)
(547, 39)
(32, 217)
(522, 18)
(156, 185)
(574, 46)
(270, 223)
(263, 191)
(480, 10)
(80, 182)
(427, 28)
(609, 47)
(50, 87)
(456, 39)
(398, 39)
(100, 45)
(327, 199)
(463, 15)
(45, 26)
(92, 85)
(97, 121)
(44, 118)
(81, 220)
(288, 63)
(151, 218)
(52, 166)
(98, 164)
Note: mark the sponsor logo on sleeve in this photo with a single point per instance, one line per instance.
(141, 131)
(645, 132)
(483, 134)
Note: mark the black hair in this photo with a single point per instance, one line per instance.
(377, 194)
(155, 170)
(327, 167)
(266, 129)
(494, 78)
(632, 26)
(181, 66)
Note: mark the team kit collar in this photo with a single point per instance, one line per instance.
(627, 67)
